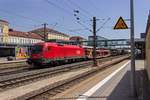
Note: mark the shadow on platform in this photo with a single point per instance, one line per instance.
(123, 92)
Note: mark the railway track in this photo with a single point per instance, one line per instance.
(27, 76)
(15, 80)
(7, 69)
(12, 66)
(17, 67)
(10, 71)
(60, 86)
(9, 64)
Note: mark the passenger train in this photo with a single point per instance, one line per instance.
(51, 53)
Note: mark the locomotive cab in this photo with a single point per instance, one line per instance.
(36, 51)
(36, 56)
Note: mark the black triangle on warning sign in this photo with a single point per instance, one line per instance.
(121, 24)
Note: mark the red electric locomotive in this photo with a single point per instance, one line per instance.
(48, 52)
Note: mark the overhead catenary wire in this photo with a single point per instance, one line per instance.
(74, 30)
(103, 25)
(94, 5)
(21, 16)
(70, 30)
(66, 11)
(28, 27)
(62, 9)
(84, 26)
(57, 6)
(85, 11)
(79, 21)
(80, 34)
(74, 8)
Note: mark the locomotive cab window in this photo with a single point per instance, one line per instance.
(37, 49)
(49, 48)
(60, 44)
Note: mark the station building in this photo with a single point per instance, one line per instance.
(4, 31)
(79, 40)
(99, 44)
(51, 34)
(18, 37)
(16, 43)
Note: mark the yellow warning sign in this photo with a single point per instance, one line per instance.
(121, 24)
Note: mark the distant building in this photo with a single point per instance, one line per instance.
(16, 43)
(99, 44)
(18, 37)
(51, 34)
(10, 36)
(90, 38)
(78, 39)
(4, 27)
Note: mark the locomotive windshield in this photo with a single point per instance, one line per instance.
(36, 49)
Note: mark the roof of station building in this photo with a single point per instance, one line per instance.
(48, 30)
(24, 34)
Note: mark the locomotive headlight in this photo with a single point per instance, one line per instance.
(78, 52)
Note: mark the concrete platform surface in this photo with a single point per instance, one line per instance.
(117, 88)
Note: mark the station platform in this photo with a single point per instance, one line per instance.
(4, 60)
(111, 84)
(118, 87)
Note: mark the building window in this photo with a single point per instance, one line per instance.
(0, 39)
(26, 41)
(1, 30)
(12, 40)
(23, 41)
(17, 40)
(20, 41)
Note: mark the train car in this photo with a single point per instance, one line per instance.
(88, 51)
(48, 52)
(100, 52)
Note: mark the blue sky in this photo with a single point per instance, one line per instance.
(25, 15)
